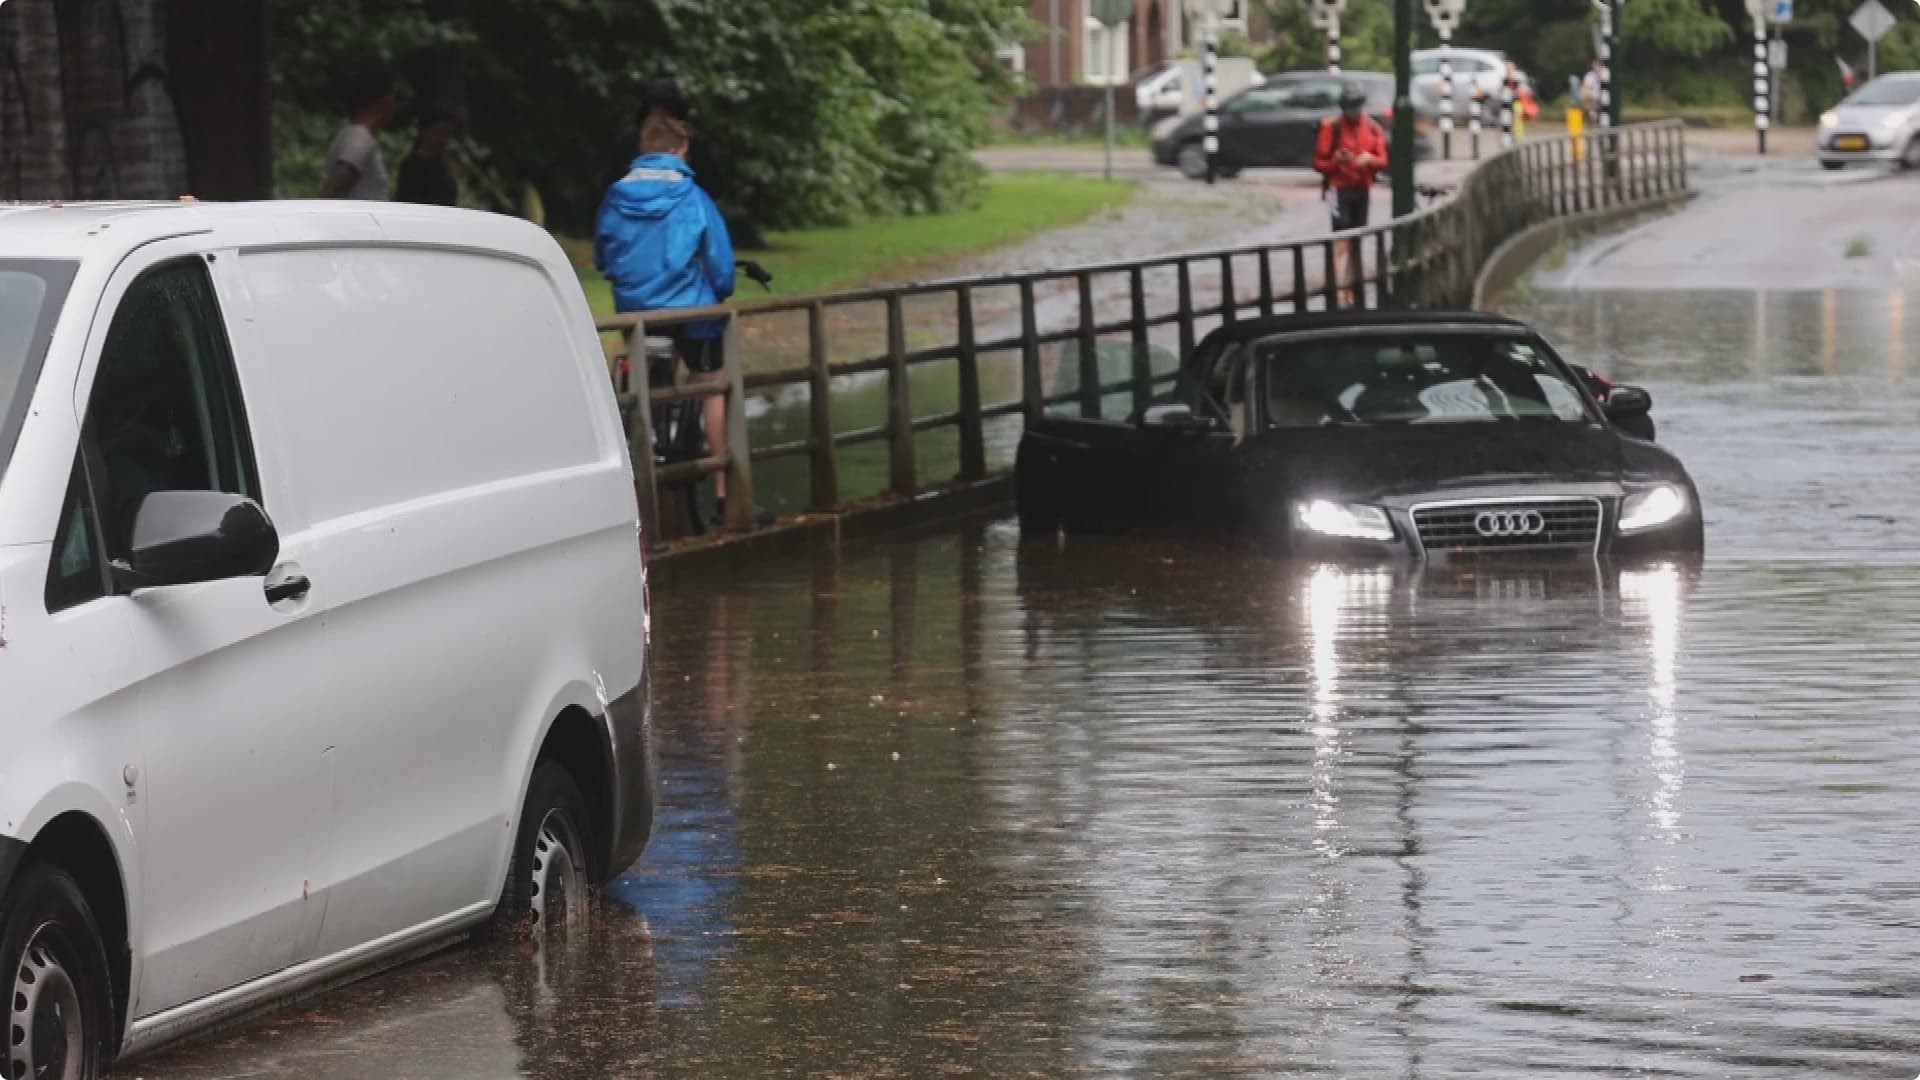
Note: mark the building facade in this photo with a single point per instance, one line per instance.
(1074, 49)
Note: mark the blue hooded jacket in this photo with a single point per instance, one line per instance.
(662, 243)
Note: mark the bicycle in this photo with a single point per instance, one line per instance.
(678, 433)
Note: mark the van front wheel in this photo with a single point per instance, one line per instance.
(54, 970)
(548, 886)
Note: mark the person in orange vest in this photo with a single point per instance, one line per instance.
(1350, 154)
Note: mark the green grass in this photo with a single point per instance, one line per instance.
(1013, 207)
(1127, 136)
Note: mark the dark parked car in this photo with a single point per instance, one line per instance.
(1373, 435)
(1276, 123)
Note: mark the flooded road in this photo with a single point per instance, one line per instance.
(963, 805)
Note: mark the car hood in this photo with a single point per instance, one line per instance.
(1870, 115)
(1369, 464)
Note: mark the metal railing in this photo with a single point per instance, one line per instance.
(1429, 259)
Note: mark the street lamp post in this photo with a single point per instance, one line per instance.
(1402, 154)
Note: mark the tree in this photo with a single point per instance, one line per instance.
(807, 111)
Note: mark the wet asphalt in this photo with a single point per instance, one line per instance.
(963, 804)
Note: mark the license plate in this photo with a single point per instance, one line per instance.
(1850, 142)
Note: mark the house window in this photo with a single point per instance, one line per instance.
(1106, 61)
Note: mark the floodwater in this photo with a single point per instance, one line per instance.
(963, 805)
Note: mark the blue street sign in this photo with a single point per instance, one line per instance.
(1782, 11)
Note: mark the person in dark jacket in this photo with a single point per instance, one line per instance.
(427, 175)
(663, 244)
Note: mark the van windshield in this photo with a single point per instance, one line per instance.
(31, 293)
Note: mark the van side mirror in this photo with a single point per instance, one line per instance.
(187, 537)
(1174, 416)
(1627, 403)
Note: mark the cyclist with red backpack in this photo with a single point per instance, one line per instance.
(1350, 154)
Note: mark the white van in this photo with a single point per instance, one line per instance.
(323, 619)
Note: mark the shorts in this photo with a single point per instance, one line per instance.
(704, 356)
(1350, 207)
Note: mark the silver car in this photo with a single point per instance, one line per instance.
(1878, 122)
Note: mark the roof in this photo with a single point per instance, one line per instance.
(108, 231)
(1248, 329)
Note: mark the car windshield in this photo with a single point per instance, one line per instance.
(1416, 379)
(30, 296)
(1904, 91)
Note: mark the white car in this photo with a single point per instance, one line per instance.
(1880, 122)
(1482, 70)
(325, 622)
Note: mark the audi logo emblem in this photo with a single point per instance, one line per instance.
(1497, 523)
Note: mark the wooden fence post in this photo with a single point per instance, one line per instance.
(646, 487)
(1033, 389)
(1089, 350)
(901, 478)
(973, 440)
(739, 445)
(824, 467)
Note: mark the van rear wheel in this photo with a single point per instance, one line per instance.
(549, 884)
(53, 968)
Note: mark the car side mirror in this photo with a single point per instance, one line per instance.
(1628, 402)
(1174, 416)
(188, 537)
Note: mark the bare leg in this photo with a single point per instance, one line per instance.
(714, 420)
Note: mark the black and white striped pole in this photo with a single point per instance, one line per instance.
(1210, 82)
(1445, 15)
(1762, 80)
(1509, 99)
(1606, 65)
(1325, 15)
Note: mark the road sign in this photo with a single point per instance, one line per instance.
(1782, 11)
(1872, 20)
(1112, 13)
(1777, 54)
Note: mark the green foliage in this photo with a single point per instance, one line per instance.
(1011, 208)
(805, 111)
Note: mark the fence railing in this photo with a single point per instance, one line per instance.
(1095, 318)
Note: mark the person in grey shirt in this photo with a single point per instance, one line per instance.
(355, 168)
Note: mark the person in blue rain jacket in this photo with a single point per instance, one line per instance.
(662, 243)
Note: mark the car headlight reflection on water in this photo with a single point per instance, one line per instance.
(1349, 522)
(1652, 508)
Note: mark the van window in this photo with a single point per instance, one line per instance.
(396, 373)
(164, 415)
(31, 292)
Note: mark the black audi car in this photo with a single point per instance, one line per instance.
(1374, 435)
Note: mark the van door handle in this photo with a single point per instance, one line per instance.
(291, 589)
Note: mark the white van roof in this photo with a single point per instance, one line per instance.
(89, 231)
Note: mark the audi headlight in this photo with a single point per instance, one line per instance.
(1652, 508)
(1337, 519)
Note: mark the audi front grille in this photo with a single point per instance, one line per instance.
(1509, 526)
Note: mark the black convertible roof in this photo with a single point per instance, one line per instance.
(1248, 329)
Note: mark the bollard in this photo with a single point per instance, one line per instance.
(1576, 127)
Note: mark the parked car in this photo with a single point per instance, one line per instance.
(1372, 436)
(1177, 86)
(1474, 70)
(1274, 124)
(1878, 122)
(325, 616)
